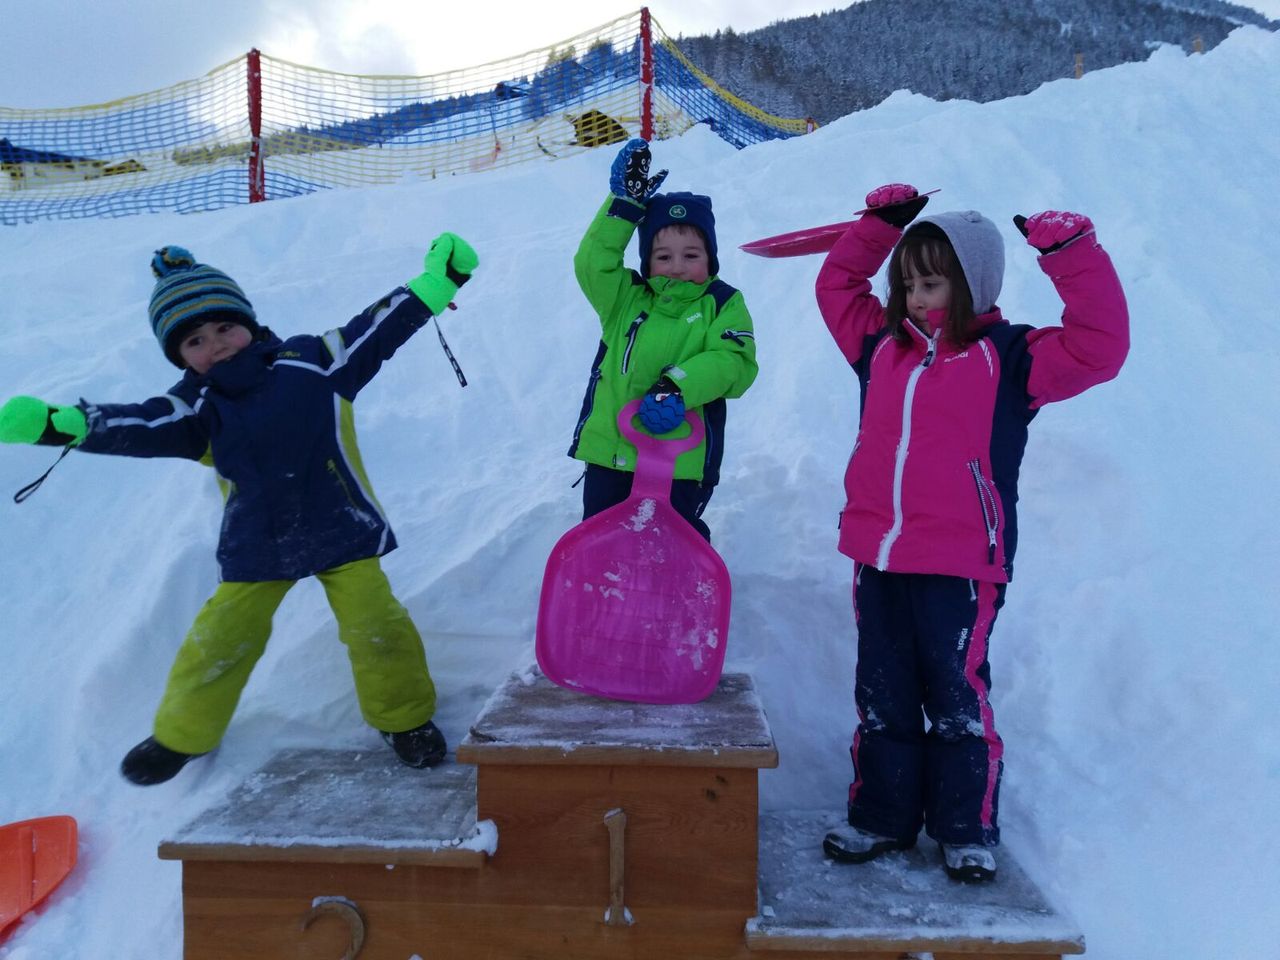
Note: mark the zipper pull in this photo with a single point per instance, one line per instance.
(928, 354)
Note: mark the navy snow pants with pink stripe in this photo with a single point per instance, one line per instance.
(922, 653)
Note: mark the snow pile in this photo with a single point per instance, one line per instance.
(1135, 665)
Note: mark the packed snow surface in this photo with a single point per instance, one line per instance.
(1135, 664)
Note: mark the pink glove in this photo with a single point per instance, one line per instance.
(1053, 229)
(890, 194)
(896, 203)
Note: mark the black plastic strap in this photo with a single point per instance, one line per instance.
(32, 487)
(449, 353)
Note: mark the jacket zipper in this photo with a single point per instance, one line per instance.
(987, 500)
(333, 468)
(632, 331)
(588, 404)
(900, 460)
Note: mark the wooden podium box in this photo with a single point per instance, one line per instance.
(573, 828)
(622, 831)
(626, 830)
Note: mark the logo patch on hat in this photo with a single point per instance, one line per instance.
(677, 212)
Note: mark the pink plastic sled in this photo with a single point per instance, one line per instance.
(635, 604)
(799, 243)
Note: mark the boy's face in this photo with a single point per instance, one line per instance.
(212, 342)
(680, 253)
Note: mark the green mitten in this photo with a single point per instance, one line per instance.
(28, 420)
(448, 265)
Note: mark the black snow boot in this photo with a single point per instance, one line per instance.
(151, 762)
(422, 746)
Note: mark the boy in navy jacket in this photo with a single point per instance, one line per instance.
(275, 420)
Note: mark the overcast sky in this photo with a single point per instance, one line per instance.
(69, 52)
(59, 53)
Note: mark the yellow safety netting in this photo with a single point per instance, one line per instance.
(197, 145)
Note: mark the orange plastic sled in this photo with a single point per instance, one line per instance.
(35, 856)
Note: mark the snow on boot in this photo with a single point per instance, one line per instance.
(422, 746)
(851, 845)
(151, 762)
(969, 863)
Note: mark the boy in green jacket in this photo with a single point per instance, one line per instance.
(673, 334)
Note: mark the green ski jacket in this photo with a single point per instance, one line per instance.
(698, 334)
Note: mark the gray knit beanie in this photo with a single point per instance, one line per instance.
(980, 250)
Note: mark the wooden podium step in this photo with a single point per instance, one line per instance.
(325, 851)
(573, 828)
(900, 905)
(632, 825)
(341, 806)
(623, 832)
(530, 720)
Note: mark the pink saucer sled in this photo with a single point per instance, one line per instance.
(635, 604)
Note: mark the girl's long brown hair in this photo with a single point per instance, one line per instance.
(925, 249)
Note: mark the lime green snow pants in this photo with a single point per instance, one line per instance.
(230, 633)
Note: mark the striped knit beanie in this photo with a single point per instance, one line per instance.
(188, 294)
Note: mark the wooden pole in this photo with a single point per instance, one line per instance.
(257, 177)
(1198, 44)
(1079, 65)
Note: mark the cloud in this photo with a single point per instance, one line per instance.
(61, 53)
(65, 53)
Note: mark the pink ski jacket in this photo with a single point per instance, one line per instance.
(932, 484)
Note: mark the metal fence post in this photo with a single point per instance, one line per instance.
(646, 75)
(257, 176)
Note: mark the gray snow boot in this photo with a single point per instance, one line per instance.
(851, 845)
(969, 863)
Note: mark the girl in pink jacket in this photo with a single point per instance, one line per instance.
(948, 389)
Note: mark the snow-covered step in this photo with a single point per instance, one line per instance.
(530, 720)
(897, 905)
(329, 853)
(344, 806)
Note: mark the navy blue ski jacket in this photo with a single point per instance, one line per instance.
(277, 422)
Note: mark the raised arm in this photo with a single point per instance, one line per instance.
(1091, 344)
(166, 426)
(357, 350)
(598, 262)
(851, 311)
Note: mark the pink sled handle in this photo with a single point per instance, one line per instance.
(656, 456)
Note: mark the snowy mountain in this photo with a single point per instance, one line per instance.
(1134, 666)
(831, 64)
